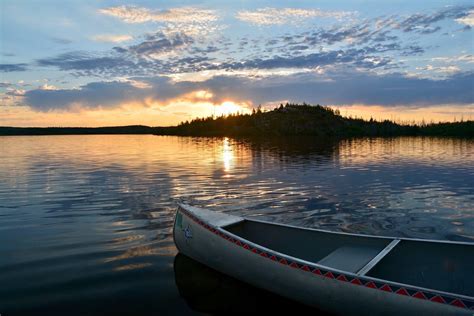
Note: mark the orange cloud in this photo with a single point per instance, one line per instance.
(140, 112)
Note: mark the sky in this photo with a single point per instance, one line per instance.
(157, 63)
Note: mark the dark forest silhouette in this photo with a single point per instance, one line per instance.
(304, 119)
(285, 120)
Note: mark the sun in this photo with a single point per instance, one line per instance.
(229, 107)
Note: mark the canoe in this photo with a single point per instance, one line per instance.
(211, 292)
(341, 273)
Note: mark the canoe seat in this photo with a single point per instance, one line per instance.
(350, 259)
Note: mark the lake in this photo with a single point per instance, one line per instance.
(86, 221)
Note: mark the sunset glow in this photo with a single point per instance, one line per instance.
(230, 107)
(109, 63)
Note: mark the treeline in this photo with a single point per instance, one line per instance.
(304, 119)
(132, 129)
(285, 120)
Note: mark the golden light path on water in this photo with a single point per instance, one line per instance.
(227, 154)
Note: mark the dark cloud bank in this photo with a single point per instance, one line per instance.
(354, 88)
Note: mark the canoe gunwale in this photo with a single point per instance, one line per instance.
(432, 295)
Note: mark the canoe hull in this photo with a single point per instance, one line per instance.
(194, 238)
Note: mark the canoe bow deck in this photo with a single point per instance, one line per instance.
(331, 269)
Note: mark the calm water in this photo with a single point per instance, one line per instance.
(85, 221)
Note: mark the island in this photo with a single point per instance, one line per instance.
(284, 120)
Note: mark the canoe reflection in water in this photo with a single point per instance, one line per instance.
(208, 291)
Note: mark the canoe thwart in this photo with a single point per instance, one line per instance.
(379, 257)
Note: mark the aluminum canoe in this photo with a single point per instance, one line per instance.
(346, 274)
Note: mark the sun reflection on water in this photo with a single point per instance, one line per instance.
(227, 154)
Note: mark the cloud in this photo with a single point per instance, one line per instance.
(353, 87)
(423, 23)
(357, 57)
(162, 54)
(103, 94)
(190, 20)
(12, 67)
(89, 65)
(112, 38)
(48, 87)
(134, 14)
(381, 29)
(440, 69)
(378, 39)
(272, 16)
(97, 94)
(151, 56)
(5, 84)
(461, 58)
(467, 19)
(246, 73)
(63, 41)
(159, 43)
(15, 92)
(376, 43)
(130, 14)
(352, 34)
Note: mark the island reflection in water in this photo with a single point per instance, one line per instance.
(88, 219)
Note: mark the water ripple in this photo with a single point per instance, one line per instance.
(90, 217)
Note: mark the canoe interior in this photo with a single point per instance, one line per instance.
(343, 252)
(441, 266)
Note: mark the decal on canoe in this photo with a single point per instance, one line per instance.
(337, 276)
(188, 234)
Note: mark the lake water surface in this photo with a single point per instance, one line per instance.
(85, 221)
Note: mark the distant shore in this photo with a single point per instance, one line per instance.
(131, 129)
(286, 120)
